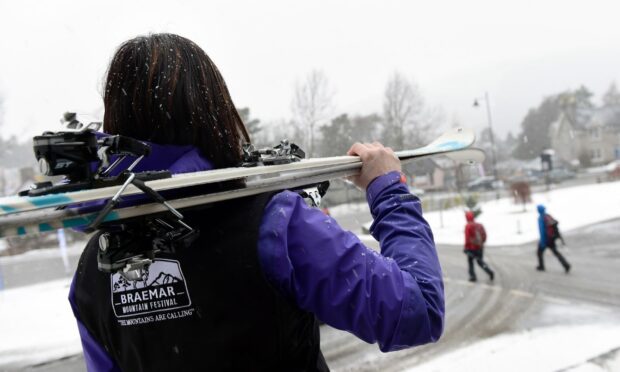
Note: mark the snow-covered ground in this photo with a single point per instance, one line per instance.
(507, 223)
(36, 323)
(569, 348)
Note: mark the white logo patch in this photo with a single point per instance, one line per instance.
(161, 290)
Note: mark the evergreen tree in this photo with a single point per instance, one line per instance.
(534, 138)
(577, 105)
(342, 132)
(611, 98)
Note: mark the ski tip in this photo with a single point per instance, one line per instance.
(463, 135)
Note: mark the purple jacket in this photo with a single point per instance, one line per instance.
(394, 298)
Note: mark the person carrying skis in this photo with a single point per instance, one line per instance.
(549, 232)
(475, 237)
(249, 293)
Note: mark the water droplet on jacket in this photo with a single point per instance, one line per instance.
(355, 273)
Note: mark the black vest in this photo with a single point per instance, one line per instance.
(206, 308)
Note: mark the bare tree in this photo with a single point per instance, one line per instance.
(406, 120)
(311, 105)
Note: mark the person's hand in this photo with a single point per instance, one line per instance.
(376, 161)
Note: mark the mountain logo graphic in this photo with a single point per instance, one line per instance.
(162, 288)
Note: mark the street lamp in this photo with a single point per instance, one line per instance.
(494, 158)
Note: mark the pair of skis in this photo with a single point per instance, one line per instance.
(22, 215)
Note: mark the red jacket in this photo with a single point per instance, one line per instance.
(475, 235)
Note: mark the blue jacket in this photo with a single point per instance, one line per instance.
(395, 298)
(542, 229)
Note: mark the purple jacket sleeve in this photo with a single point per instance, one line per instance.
(95, 356)
(394, 298)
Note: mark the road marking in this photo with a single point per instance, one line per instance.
(556, 300)
(469, 284)
(491, 287)
(519, 293)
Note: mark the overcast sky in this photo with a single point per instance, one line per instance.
(53, 54)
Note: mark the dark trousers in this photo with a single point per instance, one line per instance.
(541, 252)
(477, 256)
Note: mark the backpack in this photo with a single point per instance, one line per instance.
(479, 235)
(551, 227)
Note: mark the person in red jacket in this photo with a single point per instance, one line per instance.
(475, 237)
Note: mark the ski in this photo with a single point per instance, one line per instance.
(34, 214)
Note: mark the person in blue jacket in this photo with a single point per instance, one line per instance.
(249, 293)
(549, 233)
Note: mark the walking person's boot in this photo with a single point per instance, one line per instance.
(491, 274)
(563, 261)
(486, 269)
(541, 262)
(470, 264)
(561, 258)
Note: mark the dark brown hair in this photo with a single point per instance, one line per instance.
(164, 88)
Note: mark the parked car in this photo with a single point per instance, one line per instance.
(613, 170)
(531, 176)
(560, 175)
(484, 183)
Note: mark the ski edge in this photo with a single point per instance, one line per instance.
(452, 140)
(50, 220)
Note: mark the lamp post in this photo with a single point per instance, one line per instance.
(494, 158)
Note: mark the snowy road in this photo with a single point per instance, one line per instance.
(520, 300)
(525, 320)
